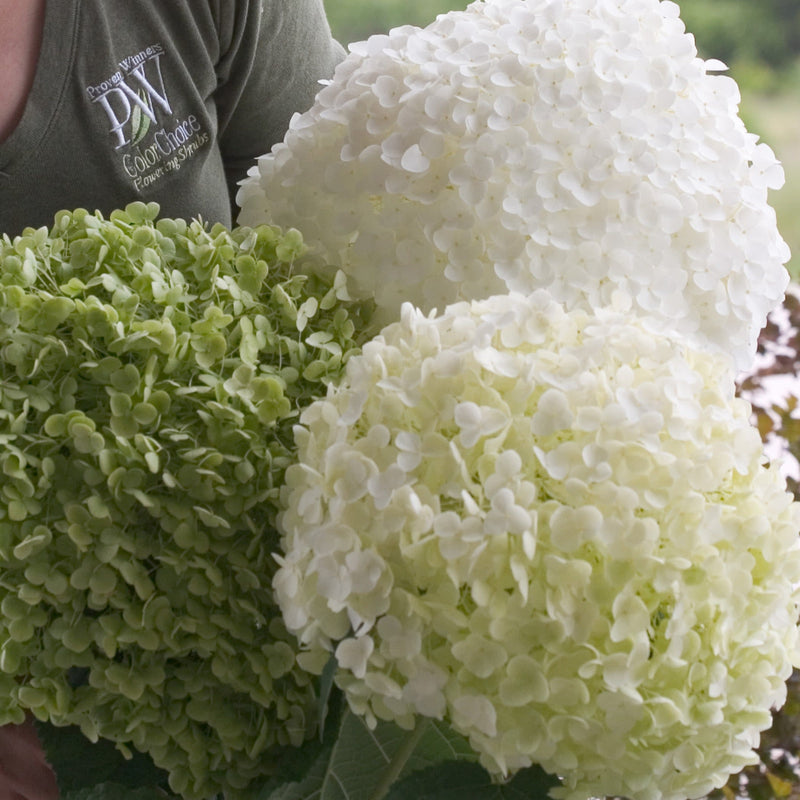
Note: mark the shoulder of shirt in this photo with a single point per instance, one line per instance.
(232, 18)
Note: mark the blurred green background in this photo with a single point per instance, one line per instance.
(758, 39)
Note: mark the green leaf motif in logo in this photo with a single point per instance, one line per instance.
(139, 120)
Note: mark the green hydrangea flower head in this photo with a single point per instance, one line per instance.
(150, 374)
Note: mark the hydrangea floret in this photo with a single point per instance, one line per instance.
(150, 375)
(579, 146)
(553, 529)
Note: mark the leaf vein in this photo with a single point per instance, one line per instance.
(384, 754)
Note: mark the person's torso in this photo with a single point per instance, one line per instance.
(121, 108)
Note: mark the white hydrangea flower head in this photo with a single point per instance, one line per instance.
(575, 145)
(555, 530)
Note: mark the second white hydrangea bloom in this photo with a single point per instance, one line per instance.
(554, 530)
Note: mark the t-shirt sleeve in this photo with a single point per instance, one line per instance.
(273, 53)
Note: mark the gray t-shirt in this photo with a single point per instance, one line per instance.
(165, 100)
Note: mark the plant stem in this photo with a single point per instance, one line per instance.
(399, 759)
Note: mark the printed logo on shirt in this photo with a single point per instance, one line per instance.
(151, 138)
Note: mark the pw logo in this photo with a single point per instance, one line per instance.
(131, 96)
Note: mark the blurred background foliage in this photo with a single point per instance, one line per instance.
(760, 41)
(750, 31)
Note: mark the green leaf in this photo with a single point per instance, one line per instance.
(468, 781)
(80, 764)
(117, 791)
(297, 763)
(309, 788)
(325, 688)
(364, 763)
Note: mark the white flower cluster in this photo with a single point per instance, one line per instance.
(575, 145)
(553, 529)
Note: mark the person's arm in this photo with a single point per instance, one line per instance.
(274, 53)
(24, 771)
